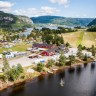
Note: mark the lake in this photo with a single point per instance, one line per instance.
(80, 82)
(29, 30)
(26, 32)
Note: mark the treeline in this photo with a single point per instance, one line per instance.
(54, 36)
(52, 39)
(11, 74)
(92, 29)
(50, 36)
(59, 30)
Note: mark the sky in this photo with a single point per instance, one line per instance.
(65, 8)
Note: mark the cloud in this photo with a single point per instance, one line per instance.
(61, 2)
(44, 10)
(6, 6)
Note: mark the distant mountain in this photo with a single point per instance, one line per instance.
(62, 20)
(13, 21)
(92, 23)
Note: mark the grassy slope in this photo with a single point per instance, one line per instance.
(80, 37)
(72, 37)
(89, 39)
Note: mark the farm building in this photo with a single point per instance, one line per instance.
(49, 52)
(48, 46)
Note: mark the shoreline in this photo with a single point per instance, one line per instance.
(22, 81)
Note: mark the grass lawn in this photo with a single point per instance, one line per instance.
(17, 47)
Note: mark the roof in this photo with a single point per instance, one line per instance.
(38, 44)
(56, 49)
(52, 49)
(62, 46)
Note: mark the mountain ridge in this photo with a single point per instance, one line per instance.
(69, 21)
(93, 23)
(14, 21)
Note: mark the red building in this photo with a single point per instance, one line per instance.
(49, 52)
(48, 46)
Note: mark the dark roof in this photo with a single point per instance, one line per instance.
(38, 44)
(52, 49)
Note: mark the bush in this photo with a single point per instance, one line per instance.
(40, 67)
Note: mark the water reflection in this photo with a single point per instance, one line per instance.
(71, 69)
(61, 75)
(92, 65)
(40, 78)
(85, 65)
(79, 69)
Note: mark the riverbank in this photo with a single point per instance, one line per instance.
(8, 84)
(22, 81)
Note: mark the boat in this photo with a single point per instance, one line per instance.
(50, 72)
(54, 69)
(62, 83)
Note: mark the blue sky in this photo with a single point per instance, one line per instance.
(66, 8)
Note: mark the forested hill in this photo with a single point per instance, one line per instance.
(62, 20)
(13, 21)
(92, 23)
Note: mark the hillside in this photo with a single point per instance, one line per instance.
(9, 20)
(92, 23)
(62, 20)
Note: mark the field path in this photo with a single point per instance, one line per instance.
(80, 39)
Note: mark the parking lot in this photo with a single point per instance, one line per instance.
(25, 61)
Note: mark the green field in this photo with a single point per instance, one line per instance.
(80, 37)
(17, 47)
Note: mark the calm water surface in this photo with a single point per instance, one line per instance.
(81, 82)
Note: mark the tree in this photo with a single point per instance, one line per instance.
(6, 68)
(79, 53)
(71, 59)
(67, 44)
(40, 67)
(62, 60)
(20, 68)
(49, 39)
(79, 47)
(61, 40)
(85, 57)
(50, 63)
(92, 28)
(15, 72)
(93, 50)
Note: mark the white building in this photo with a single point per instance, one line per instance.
(89, 54)
(1, 56)
(72, 51)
